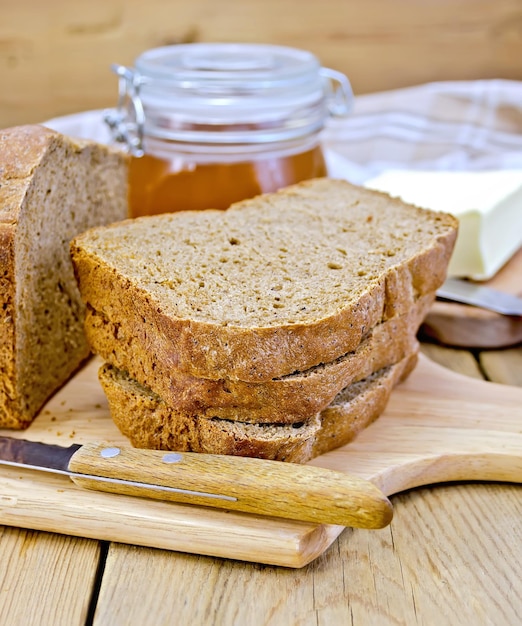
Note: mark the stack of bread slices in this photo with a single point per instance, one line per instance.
(275, 329)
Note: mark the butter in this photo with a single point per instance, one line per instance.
(487, 204)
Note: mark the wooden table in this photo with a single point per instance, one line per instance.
(55, 56)
(452, 555)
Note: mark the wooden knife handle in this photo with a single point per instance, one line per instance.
(272, 488)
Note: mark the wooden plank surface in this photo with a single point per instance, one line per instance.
(438, 563)
(461, 361)
(436, 427)
(503, 366)
(46, 578)
(451, 555)
(55, 55)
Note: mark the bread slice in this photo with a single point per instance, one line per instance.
(273, 285)
(143, 417)
(287, 399)
(51, 189)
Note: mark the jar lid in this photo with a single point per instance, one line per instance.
(228, 69)
(232, 93)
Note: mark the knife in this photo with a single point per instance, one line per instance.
(466, 292)
(273, 488)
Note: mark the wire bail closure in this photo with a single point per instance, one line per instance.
(339, 92)
(127, 121)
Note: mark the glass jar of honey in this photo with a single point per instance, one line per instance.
(210, 124)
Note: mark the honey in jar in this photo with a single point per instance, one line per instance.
(210, 124)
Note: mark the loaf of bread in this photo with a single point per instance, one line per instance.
(51, 189)
(291, 398)
(274, 285)
(143, 417)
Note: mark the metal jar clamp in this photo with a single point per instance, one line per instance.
(171, 90)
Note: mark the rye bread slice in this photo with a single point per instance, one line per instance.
(143, 417)
(273, 285)
(287, 399)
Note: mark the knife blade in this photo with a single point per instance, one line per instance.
(272, 488)
(466, 292)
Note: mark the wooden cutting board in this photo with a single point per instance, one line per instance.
(470, 327)
(439, 426)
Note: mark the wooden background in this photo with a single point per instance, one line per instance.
(55, 54)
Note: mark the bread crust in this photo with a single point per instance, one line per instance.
(288, 399)
(7, 331)
(149, 422)
(220, 350)
(46, 199)
(216, 351)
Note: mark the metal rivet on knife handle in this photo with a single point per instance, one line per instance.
(109, 453)
(172, 457)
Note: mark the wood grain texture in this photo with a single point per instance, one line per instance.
(55, 55)
(438, 563)
(437, 427)
(45, 578)
(503, 366)
(260, 487)
(460, 361)
(451, 555)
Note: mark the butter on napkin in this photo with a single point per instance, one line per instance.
(487, 204)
